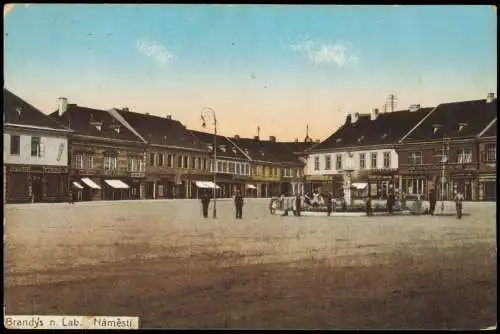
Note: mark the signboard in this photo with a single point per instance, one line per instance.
(87, 172)
(138, 174)
(55, 170)
(19, 169)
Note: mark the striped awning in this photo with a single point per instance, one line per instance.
(90, 183)
(117, 184)
(77, 185)
(206, 185)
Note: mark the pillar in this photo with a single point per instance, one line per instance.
(154, 189)
(142, 191)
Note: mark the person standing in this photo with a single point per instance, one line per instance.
(298, 204)
(238, 203)
(432, 201)
(459, 198)
(328, 199)
(390, 202)
(369, 209)
(205, 201)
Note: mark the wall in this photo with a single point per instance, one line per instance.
(51, 145)
(309, 169)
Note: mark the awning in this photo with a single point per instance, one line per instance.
(78, 185)
(201, 184)
(206, 184)
(90, 183)
(359, 186)
(117, 184)
(251, 186)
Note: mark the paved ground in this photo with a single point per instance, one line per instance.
(161, 261)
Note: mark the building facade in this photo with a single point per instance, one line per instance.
(35, 154)
(487, 143)
(442, 152)
(107, 159)
(360, 157)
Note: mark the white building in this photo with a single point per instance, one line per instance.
(360, 156)
(35, 154)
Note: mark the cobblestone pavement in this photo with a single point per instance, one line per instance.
(162, 261)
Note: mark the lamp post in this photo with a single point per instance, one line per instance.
(444, 159)
(206, 114)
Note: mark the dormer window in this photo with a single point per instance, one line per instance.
(360, 139)
(384, 136)
(461, 126)
(338, 140)
(19, 110)
(97, 124)
(116, 128)
(210, 147)
(436, 127)
(234, 150)
(262, 153)
(222, 148)
(246, 150)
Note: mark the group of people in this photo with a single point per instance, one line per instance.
(291, 204)
(238, 204)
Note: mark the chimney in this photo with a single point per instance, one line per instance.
(374, 114)
(348, 119)
(318, 141)
(296, 140)
(125, 109)
(62, 105)
(414, 107)
(236, 137)
(490, 97)
(256, 138)
(272, 138)
(169, 116)
(354, 117)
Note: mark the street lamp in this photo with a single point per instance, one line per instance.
(444, 159)
(206, 114)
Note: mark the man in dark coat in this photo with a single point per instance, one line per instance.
(369, 208)
(205, 201)
(298, 204)
(328, 200)
(432, 201)
(390, 202)
(238, 203)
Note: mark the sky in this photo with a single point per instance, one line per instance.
(277, 67)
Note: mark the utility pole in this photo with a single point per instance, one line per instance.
(258, 131)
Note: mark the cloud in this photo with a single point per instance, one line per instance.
(336, 54)
(157, 51)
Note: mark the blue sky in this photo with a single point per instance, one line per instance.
(277, 67)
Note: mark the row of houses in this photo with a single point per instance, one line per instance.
(94, 154)
(447, 148)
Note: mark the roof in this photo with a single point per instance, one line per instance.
(387, 128)
(298, 147)
(491, 131)
(254, 149)
(224, 149)
(475, 116)
(158, 130)
(19, 112)
(280, 151)
(85, 121)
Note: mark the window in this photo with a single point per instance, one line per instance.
(198, 164)
(338, 161)
(14, 145)
(83, 161)
(185, 161)
(414, 186)
(135, 165)
(328, 162)
(79, 161)
(179, 161)
(491, 153)
(36, 147)
(316, 163)
(464, 156)
(247, 170)
(238, 167)
(219, 167)
(109, 162)
(373, 157)
(415, 158)
(151, 159)
(231, 167)
(362, 161)
(160, 159)
(387, 159)
(225, 167)
(205, 163)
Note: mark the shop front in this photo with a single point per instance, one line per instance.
(487, 187)
(465, 183)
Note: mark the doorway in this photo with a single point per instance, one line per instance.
(37, 188)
